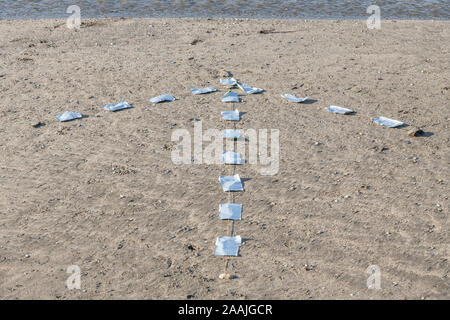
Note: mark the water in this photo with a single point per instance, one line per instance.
(285, 9)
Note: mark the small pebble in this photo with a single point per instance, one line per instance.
(309, 267)
(380, 148)
(194, 42)
(37, 124)
(225, 74)
(415, 132)
(224, 276)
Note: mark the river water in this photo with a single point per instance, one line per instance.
(284, 9)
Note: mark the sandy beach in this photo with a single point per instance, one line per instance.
(102, 192)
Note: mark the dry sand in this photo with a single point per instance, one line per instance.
(102, 192)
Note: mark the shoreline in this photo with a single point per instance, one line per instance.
(228, 18)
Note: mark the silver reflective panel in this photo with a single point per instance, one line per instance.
(202, 90)
(230, 211)
(292, 98)
(68, 115)
(249, 90)
(339, 110)
(231, 134)
(228, 81)
(390, 123)
(231, 157)
(231, 115)
(161, 98)
(231, 183)
(230, 97)
(118, 106)
(228, 246)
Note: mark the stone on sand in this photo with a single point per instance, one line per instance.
(415, 132)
